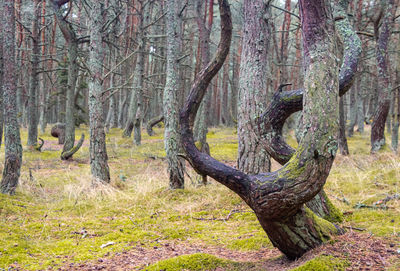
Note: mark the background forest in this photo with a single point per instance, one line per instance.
(95, 176)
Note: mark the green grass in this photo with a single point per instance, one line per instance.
(58, 217)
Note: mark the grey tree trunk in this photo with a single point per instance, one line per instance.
(252, 156)
(170, 102)
(98, 151)
(135, 111)
(342, 140)
(360, 109)
(34, 79)
(352, 108)
(383, 31)
(72, 40)
(1, 78)
(13, 148)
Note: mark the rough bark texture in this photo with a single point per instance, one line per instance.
(34, 79)
(277, 198)
(252, 156)
(13, 148)
(97, 148)
(170, 102)
(382, 35)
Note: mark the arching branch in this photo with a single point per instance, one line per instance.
(39, 147)
(69, 153)
(285, 103)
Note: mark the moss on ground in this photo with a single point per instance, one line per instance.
(323, 263)
(198, 262)
(57, 217)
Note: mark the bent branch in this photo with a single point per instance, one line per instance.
(285, 103)
(65, 155)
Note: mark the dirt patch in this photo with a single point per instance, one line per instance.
(362, 251)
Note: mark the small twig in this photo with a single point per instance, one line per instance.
(354, 228)
(222, 219)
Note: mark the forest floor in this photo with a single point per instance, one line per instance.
(58, 221)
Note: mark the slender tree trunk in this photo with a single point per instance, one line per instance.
(382, 110)
(342, 140)
(98, 151)
(253, 158)
(1, 77)
(13, 148)
(34, 79)
(353, 108)
(172, 87)
(135, 112)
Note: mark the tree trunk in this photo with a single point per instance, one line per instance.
(1, 78)
(277, 198)
(98, 151)
(382, 110)
(352, 108)
(252, 156)
(136, 102)
(34, 79)
(13, 148)
(342, 140)
(72, 40)
(172, 87)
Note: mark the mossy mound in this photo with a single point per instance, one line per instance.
(193, 262)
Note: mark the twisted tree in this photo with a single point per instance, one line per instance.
(285, 103)
(278, 198)
(73, 41)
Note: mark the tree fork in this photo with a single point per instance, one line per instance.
(277, 198)
(285, 103)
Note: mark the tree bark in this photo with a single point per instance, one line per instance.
(97, 149)
(170, 102)
(252, 156)
(13, 148)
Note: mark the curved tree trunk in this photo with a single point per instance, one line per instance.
(278, 198)
(285, 103)
(381, 51)
(170, 101)
(252, 156)
(151, 123)
(98, 152)
(72, 40)
(12, 140)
